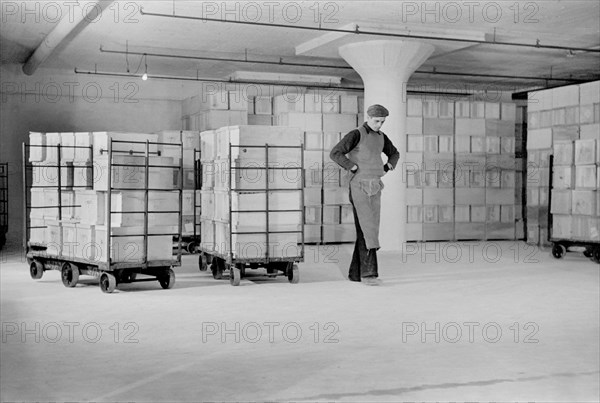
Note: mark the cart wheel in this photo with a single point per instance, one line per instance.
(589, 253)
(558, 250)
(108, 283)
(596, 256)
(202, 262)
(234, 275)
(2, 240)
(167, 280)
(293, 274)
(36, 270)
(217, 268)
(191, 247)
(69, 274)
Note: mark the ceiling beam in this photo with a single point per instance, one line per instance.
(67, 28)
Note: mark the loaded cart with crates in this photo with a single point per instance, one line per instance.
(3, 203)
(104, 204)
(252, 201)
(574, 206)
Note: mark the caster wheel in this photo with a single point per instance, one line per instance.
(108, 283)
(167, 280)
(69, 274)
(558, 250)
(191, 247)
(235, 275)
(217, 269)
(293, 274)
(589, 253)
(36, 270)
(202, 262)
(596, 255)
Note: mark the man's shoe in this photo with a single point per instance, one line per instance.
(371, 281)
(351, 279)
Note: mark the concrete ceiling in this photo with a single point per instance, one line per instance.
(121, 26)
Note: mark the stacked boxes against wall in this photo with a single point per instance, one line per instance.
(215, 108)
(251, 209)
(324, 119)
(564, 121)
(460, 170)
(79, 229)
(191, 204)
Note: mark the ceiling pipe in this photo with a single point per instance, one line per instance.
(278, 84)
(66, 27)
(281, 63)
(356, 31)
(218, 59)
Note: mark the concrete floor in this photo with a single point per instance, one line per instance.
(496, 321)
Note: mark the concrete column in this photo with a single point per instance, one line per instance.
(385, 67)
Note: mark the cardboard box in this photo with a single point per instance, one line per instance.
(214, 119)
(339, 122)
(583, 202)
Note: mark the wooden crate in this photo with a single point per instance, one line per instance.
(305, 121)
(254, 205)
(583, 202)
(500, 231)
(255, 246)
(129, 248)
(339, 122)
(132, 174)
(561, 201)
(585, 177)
(585, 152)
(339, 233)
(37, 153)
(469, 231)
(259, 136)
(438, 232)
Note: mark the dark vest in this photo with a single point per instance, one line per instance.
(367, 153)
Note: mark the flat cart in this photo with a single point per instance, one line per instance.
(3, 203)
(110, 273)
(560, 246)
(237, 263)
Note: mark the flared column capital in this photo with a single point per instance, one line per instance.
(394, 58)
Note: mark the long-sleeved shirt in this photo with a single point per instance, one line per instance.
(350, 140)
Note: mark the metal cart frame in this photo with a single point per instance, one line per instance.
(3, 203)
(236, 266)
(560, 246)
(110, 273)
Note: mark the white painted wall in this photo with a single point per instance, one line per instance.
(53, 101)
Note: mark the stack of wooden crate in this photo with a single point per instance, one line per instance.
(559, 121)
(460, 170)
(324, 119)
(242, 194)
(80, 230)
(575, 202)
(215, 108)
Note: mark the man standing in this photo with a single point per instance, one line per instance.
(359, 152)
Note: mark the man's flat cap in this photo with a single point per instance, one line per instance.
(377, 111)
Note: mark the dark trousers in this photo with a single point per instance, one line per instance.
(364, 261)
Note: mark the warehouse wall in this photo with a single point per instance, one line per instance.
(57, 102)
